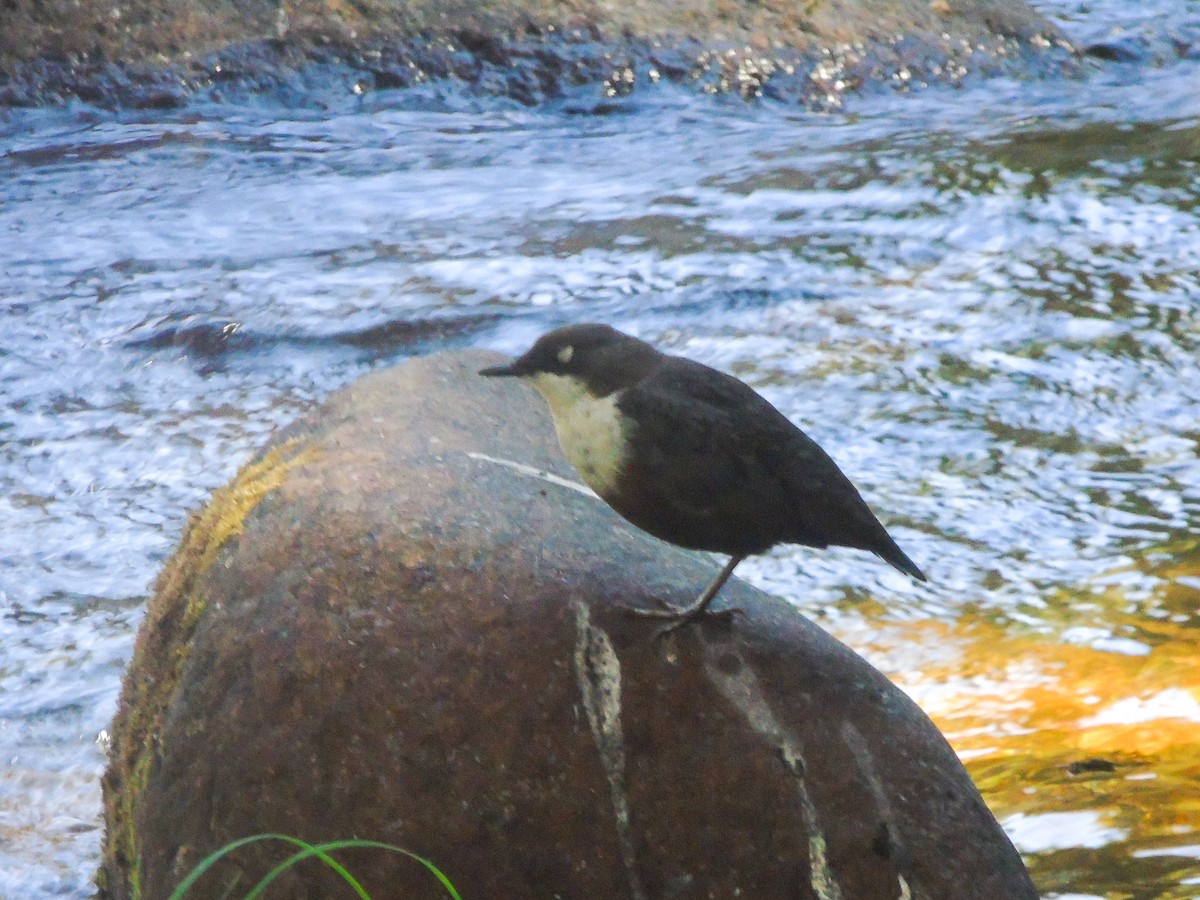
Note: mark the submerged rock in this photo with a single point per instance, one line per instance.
(404, 622)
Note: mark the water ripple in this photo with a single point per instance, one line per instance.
(982, 303)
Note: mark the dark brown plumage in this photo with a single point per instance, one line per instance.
(693, 456)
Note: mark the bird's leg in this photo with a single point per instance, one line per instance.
(681, 617)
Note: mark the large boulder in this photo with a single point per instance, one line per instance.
(403, 622)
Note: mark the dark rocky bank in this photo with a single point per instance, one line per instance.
(134, 54)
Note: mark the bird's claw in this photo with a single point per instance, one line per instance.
(677, 618)
(663, 610)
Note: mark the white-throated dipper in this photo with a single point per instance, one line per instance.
(693, 456)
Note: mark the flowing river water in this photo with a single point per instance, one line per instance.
(984, 302)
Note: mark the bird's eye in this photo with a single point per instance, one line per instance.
(565, 354)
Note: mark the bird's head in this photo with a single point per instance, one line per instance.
(569, 362)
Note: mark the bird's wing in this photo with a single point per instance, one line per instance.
(725, 455)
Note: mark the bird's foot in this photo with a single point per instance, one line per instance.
(677, 618)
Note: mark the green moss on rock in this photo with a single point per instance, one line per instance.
(162, 648)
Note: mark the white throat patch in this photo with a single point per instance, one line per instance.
(589, 429)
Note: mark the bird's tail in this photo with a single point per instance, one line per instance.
(891, 553)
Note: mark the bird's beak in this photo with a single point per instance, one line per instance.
(512, 369)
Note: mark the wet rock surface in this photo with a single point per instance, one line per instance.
(144, 55)
(401, 622)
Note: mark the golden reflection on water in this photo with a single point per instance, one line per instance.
(1090, 758)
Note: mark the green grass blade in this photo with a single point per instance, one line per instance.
(321, 851)
(434, 870)
(305, 852)
(213, 858)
